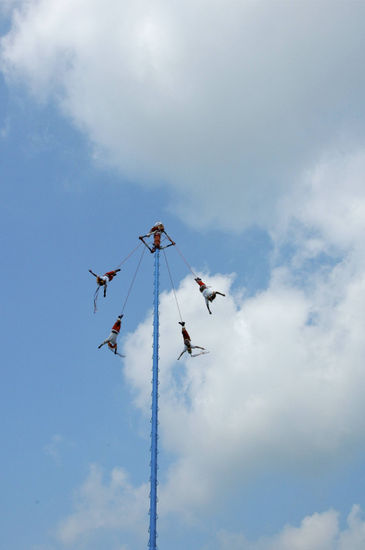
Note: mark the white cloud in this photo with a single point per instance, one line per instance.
(327, 209)
(275, 392)
(316, 532)
(225, 103)
(282, 386)
(6, 6)
(353, 538)
(118, 505)
(102, 505)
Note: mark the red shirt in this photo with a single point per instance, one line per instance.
(185, 334)
(159, 227)
(110, 274)
(116, 326)
(157, 239)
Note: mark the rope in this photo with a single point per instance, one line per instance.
(184, 260)
(134, 278)
(96, 298)
(129, 255)
(172, 283)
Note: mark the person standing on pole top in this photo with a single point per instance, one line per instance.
(208, 293)
(156, 231)
(187, 342)
(112, 338)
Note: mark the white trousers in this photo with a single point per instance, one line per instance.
(207, 293)
(112, 338)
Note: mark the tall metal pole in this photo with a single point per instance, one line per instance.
(154, 419)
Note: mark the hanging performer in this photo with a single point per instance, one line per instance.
(207, 292)
(187, 341)
(156, 231)
(102, 280)
(112, 338)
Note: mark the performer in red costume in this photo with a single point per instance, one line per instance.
(208, 293)
(187, 341)
(112, 338)
(103, 280)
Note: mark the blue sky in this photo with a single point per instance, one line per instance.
(144, 113)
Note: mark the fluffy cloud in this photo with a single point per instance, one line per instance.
(282, 386)
(7, 6)
(325, 213)
(117, 505)
(316, 532)
(277, 390)
(101, 505)
(225, 103)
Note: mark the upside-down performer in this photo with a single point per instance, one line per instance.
(102, 280)
(187, 342)
(112, 338)
(208, 293)
(156, 231)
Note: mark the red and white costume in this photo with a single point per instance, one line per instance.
(112, 338)
(208, 293)
(102, 281)
(107, 277)
(187, 341)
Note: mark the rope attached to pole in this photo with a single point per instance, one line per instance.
(129, 255)
(172, 284)
(133, 279)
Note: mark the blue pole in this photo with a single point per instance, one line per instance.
(154, 419)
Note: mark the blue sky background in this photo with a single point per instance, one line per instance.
(60, 216)
(69, 203)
